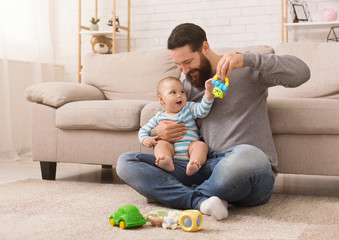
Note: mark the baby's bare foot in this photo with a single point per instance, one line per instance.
(165, 163)
(192, 167)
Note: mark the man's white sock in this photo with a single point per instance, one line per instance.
(214, 207)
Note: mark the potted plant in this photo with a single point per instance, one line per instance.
(94, 24)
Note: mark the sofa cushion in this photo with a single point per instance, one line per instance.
(132, 75)
(287, 116)
(304, 116)
(56, 94)
(254, 48)
(323, 60)
(117, 115)
(149, 111)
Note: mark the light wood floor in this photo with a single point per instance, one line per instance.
(11, 171)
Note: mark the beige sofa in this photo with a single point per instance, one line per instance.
(96, 121)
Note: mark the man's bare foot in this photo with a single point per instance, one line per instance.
(165, 163)
(192, 167)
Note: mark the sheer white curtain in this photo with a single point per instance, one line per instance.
(25, 54)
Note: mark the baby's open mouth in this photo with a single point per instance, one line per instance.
(179, 102)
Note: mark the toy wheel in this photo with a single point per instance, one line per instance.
(111, 221)
(122, 225)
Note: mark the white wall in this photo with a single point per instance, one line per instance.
(226, 22)
(16, 122)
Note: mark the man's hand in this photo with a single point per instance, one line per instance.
(228, 63)
(170, 131)
(150, 141)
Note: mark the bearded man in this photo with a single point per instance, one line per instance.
(242, 162)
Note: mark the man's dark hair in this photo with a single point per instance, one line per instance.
(187, 33)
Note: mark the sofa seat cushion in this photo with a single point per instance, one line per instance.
(116, 115)
(304, 116)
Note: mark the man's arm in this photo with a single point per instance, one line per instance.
(285, 70)
(170, 131)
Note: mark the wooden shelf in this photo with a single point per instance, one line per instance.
(82, 30)
(95, 33)
(311, 24)
(285, 25)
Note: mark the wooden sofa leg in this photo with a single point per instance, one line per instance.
(107, 166)
(48, 170)
(107, 174)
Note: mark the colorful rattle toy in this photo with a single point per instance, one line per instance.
(191, 220)
(219, 87)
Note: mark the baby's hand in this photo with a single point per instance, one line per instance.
(209, 88)
(208, 85)
(149, 141)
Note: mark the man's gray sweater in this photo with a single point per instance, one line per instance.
(241, 117)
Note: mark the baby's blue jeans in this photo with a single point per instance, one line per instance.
(241, 176)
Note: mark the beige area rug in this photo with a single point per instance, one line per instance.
(37, 209)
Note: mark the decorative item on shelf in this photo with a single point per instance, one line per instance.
(110, 23)
(332, 32)
(94, 24)
(330, 14)
(290, 8)
(299, 11)
(101, 44)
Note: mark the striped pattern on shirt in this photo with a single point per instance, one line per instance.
(186, 116)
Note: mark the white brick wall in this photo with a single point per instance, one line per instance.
(226, 22)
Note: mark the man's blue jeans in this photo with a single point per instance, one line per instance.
(241, 176)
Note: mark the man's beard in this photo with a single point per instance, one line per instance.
(205, 73)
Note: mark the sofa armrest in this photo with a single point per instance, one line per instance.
(56, 94)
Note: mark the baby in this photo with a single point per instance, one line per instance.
(172, 96)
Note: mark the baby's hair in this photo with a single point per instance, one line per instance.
(166, 79)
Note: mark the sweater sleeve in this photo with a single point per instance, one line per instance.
(272, 70)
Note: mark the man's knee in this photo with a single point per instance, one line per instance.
(253, 156)
(244, 160)
(250, 150)
(123, 161)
